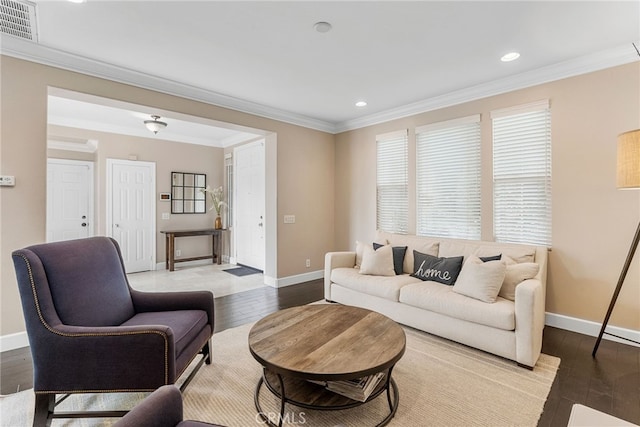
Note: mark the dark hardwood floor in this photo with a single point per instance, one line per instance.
(609, 383)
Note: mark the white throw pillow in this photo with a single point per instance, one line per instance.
(480, 280)
(516, 274)
(377, 262)
(360, 249)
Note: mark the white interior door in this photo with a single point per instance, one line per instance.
(69, 199)
(249, 206)
(131, 211)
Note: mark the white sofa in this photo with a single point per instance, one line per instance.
(510, 329)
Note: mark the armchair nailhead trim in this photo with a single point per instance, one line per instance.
(54, 331)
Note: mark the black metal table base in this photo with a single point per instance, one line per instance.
(393, 398)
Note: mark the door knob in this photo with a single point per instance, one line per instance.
(259, 224)
(84, 224)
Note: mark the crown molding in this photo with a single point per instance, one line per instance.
(619, 55)
(83, 146)
(30, 51)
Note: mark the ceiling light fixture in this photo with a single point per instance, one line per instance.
(155, 125)
(77, 1)
(322, 27)
(361, 104)
(511, 56)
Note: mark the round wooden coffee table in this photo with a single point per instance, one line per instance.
(325, 342)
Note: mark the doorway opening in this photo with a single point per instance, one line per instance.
(117, 123)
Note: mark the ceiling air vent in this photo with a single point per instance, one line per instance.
(18, 18)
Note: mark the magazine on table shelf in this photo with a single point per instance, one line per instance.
(357, 389)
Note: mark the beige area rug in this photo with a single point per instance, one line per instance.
(441, 383)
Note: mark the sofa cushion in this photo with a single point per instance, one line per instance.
(439, 269)
(425, 245)
(398, 256)
(453, 247)
(360, 249)
(387, 287)
(480, 279)
(377, 262)
(516, 274)
(441, 299)
(185, 324)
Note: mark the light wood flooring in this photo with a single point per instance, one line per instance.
(609, 383)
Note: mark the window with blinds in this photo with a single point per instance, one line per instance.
(522, 174)
(448, 179)
(392, 186)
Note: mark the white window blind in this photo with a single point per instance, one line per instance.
(448, 179)
(392, 194)
(522, 174)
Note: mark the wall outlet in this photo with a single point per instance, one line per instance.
(178, 252)
(165, 215)
(308, 263)
(289, 219)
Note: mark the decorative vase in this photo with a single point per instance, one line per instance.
(218, 223)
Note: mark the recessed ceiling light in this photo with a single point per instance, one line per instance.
(322, 27)
(361, 104)
(511, 56)
(77, 1)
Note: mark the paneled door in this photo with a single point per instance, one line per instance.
(131, 211)
(249, 207)
(69, 199)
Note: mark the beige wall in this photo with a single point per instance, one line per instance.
(593, 223)
(328, 181)
(23, 153)
(168, 157)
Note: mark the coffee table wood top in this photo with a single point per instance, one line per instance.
(326, 342)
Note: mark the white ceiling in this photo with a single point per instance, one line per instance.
(83, 111)
(265, 57)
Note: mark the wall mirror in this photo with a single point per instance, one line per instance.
(187, 192)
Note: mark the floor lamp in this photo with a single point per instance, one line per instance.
(628, 177)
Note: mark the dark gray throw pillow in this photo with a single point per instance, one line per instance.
(398, 256)
(442, 270)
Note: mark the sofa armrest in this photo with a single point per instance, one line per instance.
(172, 301)
(336, 260)
(530, 315)
(162, 408)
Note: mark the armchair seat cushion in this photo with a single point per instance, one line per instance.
(186, 325)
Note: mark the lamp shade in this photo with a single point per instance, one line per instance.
(629, 159)
(155, 125)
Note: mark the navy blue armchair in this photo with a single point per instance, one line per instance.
(90, 332)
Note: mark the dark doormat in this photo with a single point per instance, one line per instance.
(242, 270)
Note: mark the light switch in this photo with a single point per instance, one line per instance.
(7, 181)
(165, 215)
(289, 219)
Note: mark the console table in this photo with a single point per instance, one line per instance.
(170, 237)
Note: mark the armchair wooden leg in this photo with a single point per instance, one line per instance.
(44, 410)
(206, 350)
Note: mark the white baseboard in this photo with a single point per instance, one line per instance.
(13, 341)
(161, 265)
(294, 280)
(587, 327)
